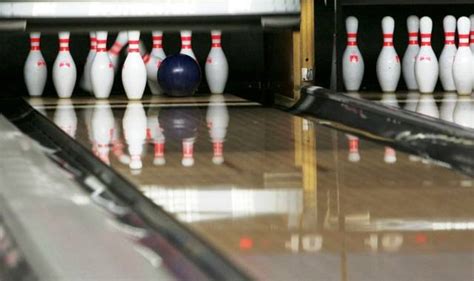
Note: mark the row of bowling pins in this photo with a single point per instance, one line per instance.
(419, 65)
(138, 128)
(101, 65)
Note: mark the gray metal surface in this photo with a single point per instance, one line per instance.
(63, 235)
(162, 8)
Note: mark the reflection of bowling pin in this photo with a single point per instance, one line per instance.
(114, 52)
(153, 62)
(35, 71)
(155, 134)
(85, 82)
(411, 101)
(64, 68)
(102, 124)
(354, 155)
(134, 70)
(447, 106)
(427, 106)
(134, 127)
(463, 112)
(426, 65)
(462, 65)
(446, 58)
(186, 48)
(409, 58)
(117, 145)
(217, 119)
(65, 117)
(102, 70)
(188, 152)
(388, 62)
(217, 68)
(390, 99)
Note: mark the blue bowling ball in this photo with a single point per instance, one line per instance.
(179, 75)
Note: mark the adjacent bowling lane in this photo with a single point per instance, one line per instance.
(285, 198)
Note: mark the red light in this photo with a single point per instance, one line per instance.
(421, 239)
(246, 243)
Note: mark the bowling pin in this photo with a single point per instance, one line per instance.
(352, 61)
(217, 68)
(388, 62)
(102, 70)
(447, 107)
(427, 106)
(134, 128)
(102, 124)
(217, 118)
(186, 48)
(153, 62)
(65, 117)
(462, 65)
(35, 71)
(464, 112)
(134, 70)
(447, 55)
(85, 82)
(409, 58)
(156, 136)
(64, 68)
(114, 52)
(471, 33)
(426, 65)
(354, 155)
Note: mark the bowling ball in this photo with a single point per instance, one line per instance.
(179, 75)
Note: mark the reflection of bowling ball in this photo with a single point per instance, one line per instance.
(179, 75)
(180, 122)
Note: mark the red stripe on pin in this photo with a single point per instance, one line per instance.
(413, 42)
(35, 40)
(216, 45)
(63, 40)
(388, 35)
(35, 48)
(449, 34)
(133, 41)
(101, 41)
(463, 36)
(133, 50)
(157, 37)
(215, 37)
(186, 47)
(157, 46)
(425, 35)
(188, 38)
(351, 43)
(413, 34)
(64, 49)
(351, 35)
(387, 44)
(425, 44)
(449, 42)
(463, 44)
(101, 50)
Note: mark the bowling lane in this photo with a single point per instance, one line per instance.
(283, 197)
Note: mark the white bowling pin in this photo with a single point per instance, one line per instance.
(134, 70)
(462, 65)
(388, 62)
(35, 71)
(153, 62)
(427, 106)
(354, 155)
(114, 52)
(426, 65)
(186, 47)
(102, 70)
(446, 58)
(447, 106)
(156, 136)
(217, 68)
(85, 82)
(64, 68)
(134, 128)
(102, 123)
(464, 112)
(471, 33)
(352, 61)
(217, 118)
(409, 58)
(65, 117)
